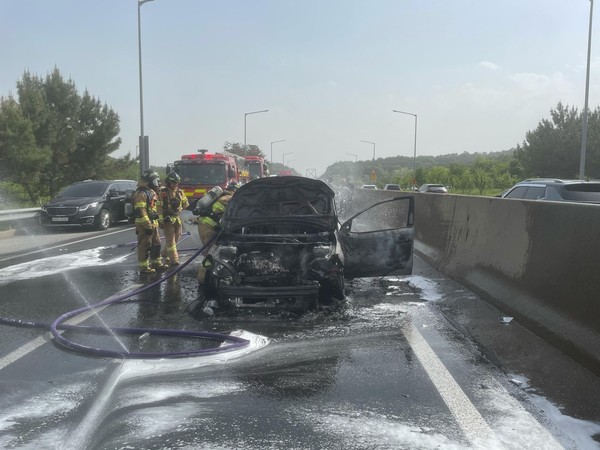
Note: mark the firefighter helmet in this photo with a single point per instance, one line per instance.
(172, 177)
(232, 186)
(150, 177)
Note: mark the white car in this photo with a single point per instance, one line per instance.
(369, 186)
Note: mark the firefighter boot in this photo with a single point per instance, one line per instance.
(145, 269)
(157, 264)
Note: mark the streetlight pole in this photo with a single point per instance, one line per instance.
(415, 149)
(355, 156)
(373, 175)
(246, 115)
(144, 152)
(369, 142)
(585, 107)
(274, 142)
(283, 157)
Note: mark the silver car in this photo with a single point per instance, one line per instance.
(553, 189)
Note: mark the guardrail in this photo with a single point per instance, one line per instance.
(18, 216)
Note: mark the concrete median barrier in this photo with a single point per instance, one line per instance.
(536, 261)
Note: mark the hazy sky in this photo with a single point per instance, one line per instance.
(479, 74)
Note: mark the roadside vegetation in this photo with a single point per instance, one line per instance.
(52, 136)
(551, 150)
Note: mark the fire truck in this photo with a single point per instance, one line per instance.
(201, 171)
(254, 167)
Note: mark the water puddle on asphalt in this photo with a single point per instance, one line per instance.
(58, 264)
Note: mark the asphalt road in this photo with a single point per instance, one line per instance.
(411, 362)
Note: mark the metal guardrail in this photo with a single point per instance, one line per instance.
(15, 216)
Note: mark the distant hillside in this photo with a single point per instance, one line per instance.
(396, 167)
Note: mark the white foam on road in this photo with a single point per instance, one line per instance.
(360, 429)
(580, 432)
(57, 264)
(135, 368)
(47, 410)
(146, 406)
(428, 287)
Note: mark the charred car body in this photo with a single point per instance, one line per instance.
(281, 245)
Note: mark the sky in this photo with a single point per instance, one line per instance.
(478, 75)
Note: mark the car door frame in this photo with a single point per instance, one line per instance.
(115, 204)
(378, 252)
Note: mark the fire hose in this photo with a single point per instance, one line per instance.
(228, 342)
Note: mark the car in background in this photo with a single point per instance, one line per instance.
(392, 187)
(281, 246)
(434, 188)
(90, 203)
(553, 189)
(369, 186)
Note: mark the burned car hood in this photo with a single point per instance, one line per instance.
(282, 199)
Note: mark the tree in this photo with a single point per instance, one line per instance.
(73, 135)
(481, 179)
(438, 174)
(553, 149)
(21, 161)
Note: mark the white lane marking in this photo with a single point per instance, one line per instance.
(469, 419)
(47, 337)
(24, 350)
(61, 245)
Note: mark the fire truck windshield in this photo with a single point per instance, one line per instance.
(212, 174)
(254, 170)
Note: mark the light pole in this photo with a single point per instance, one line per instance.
(373, 175)
(283, 157)
(585, 107)
(415, 150)
(274, 142)
(246, 115)
(373, 143)
(144, 151)
(355, 156)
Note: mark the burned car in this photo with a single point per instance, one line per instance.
(281, 245)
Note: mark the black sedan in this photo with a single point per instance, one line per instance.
(91, 203)
(281, 245)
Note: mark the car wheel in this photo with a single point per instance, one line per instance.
(103, 220)
(332, 289)
(339, 290)
(210, 285)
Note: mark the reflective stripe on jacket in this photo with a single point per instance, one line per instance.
(166, 198)
(144, 203)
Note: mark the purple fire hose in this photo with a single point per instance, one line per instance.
(234, 342)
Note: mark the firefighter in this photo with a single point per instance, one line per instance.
(146, 223)
(172, 201)
(208, 223)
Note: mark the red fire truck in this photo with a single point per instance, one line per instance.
(254, 167)
(201, 171)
